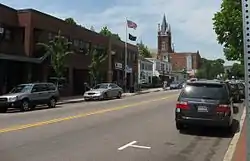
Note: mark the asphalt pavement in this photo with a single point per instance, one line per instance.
(138, 128)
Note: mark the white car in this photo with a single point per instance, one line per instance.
(103, 91)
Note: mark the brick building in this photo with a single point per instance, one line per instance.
(179, 60)
(22, 60)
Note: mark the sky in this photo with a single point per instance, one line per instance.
(190, 20)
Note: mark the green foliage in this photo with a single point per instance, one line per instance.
(143, 50)
(237, 70)
(57, 49)
(210, 68)
(70, 21)
(228, 27)
(97, 58)
(106, 32)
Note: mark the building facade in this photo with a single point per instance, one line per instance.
(161, 68)
(22, 60)
(145, 70)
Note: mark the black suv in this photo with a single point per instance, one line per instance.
(204, 103)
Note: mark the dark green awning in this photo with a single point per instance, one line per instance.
(22, 58)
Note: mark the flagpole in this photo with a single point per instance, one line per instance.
(126, 55)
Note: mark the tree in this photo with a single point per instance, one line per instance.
(92, 28)
(106, 32)
(143, 50)
(237, 70)
(228, 27)
(70, 21)
(58, 50)
(210, 68)
(97, 58)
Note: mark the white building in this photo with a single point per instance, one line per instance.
(160, 67)
(145, 73)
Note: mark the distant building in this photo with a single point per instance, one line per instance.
(145, 71)
(189, 61)
(161, 68)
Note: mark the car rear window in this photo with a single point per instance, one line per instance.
(205, 90)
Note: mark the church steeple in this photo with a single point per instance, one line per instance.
(165, 45)
(164, 25)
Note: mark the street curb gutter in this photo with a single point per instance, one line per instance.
(82, 100)
(232, 146)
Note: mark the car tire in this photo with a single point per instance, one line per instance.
(52, 103)
(119, 95)
(25, 105)
(230, 129)
(179, 126)
(105, 96)
(3, 109)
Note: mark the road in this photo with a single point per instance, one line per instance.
(94, 131)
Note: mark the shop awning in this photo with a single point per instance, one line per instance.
(22, 58)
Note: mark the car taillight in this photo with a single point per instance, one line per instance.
(182, 105)
(223, 108)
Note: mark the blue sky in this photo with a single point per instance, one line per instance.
(191, 20)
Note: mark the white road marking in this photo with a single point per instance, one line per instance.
(138, 146)
(231, 148)
(131, 144)
(127, 145)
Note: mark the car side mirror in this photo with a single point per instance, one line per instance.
(235, 109)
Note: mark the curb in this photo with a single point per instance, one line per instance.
(232, 146)
(68, 102)
(82, 100)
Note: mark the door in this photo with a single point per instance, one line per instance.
(114, 90)
(37, 94)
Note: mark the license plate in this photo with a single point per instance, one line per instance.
(202, 109)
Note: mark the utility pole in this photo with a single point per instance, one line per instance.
(246, 36)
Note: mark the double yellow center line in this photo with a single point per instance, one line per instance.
(57, 120)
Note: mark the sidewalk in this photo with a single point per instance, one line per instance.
(78, 99)
(240, 150)
(237, 148)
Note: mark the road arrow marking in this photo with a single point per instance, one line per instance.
(138, 146)
(132, 144)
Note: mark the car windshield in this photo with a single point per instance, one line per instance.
(206, 91)
(21, 89)
(103, 86)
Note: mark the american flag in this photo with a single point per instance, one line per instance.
(131, 24)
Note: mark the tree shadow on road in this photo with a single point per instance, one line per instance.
(213, 131)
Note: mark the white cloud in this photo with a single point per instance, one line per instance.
(190, 19)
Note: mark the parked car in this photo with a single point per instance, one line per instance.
(103, 91)
(176, 85)
(205, 103)
(27, 96)
(235, 92)
(241, 87)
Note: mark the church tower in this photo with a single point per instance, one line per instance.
(164, 40)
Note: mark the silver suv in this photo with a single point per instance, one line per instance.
(27, 96)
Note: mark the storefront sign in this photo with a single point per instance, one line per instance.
(128, 69)
(118, 66)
